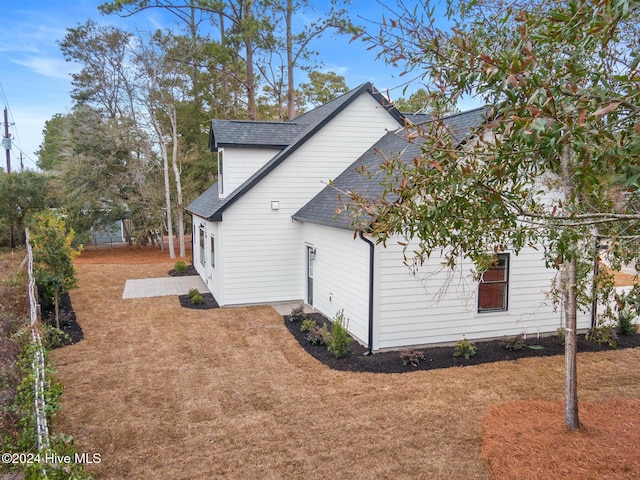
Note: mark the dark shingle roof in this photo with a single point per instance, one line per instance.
(242, 133)
(417, 118)
(308, 124)
(206, 203)
(321, 209)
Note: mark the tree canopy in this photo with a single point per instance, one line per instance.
(554, 164)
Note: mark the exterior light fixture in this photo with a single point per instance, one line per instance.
(275, 204)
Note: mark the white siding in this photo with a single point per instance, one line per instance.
(240, 163)
(212, 276)
(438, 306)
(341, 276)
(262, 247)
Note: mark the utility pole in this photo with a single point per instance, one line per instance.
(6, 141)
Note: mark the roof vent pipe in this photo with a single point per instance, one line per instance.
(371, 257)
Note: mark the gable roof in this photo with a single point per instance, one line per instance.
(307, 124)
(321, 209)
(245, 133)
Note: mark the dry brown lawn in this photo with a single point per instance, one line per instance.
(171, 393)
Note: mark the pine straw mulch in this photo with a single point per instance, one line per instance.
(129, 255)
(529, 440)
(166, 392)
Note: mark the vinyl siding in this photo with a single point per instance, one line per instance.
(211, 276)
(341, 276)
(263, 258)
(440, 306)
(240, 163)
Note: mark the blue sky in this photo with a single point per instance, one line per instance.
(35, 79)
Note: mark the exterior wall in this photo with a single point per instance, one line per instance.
(212, 275)
(263, 259)
(240, 163)
(435, 305)
(341, 276)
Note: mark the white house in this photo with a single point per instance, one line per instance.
(268, 231)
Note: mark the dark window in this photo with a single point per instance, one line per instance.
(213, 252)
(202, 259)
(494, 286)
(220, 171)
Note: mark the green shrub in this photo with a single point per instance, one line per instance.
(340, 338)
(411, 356)
(297, 313)
(603, 334)
(192, 293)
(319, 335)
(197, 299)
(513, 343)
(625, 322)
(308, 325)
(562, 335)
(180, 267)
(464, 348)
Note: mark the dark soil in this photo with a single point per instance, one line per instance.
(209, 302)
(72, 332)
(441, 357)
(191, 270)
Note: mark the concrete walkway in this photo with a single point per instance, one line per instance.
(160, 287)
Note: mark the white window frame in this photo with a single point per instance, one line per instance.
(202, 236)
(212, 251)
(506, 261)
(220, 171)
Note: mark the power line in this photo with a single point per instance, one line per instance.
(13, 126)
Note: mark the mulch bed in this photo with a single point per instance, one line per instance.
(208, 302)
(440, 357)
(72, 332)
(191, 270)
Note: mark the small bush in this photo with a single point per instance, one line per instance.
(625, 322)
(411, 356)
(464, 348)
(562, 335)
(197, 299)
(341, 340)
(297, 314)
(513, 343)
(603, 334)
(192, 293)
(180, 267)
(319, 335)
(308, 325)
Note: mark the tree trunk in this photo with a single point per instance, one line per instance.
(571, 418)
(252, 108)
(291, 95)
(167, 198)
(176, 173)
(56, 309)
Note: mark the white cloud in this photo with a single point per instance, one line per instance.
(338, 69)
(48, 67)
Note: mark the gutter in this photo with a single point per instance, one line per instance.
(371, 258)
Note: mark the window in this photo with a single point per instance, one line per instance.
(494, 286)
(213, 252)
(220, 170)
(202, 259)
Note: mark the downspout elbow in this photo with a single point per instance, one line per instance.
(371, 260)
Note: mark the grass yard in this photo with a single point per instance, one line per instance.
(164, 392)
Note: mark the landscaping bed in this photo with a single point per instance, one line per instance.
(208, 302)
(72, 332)
(441, 357)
